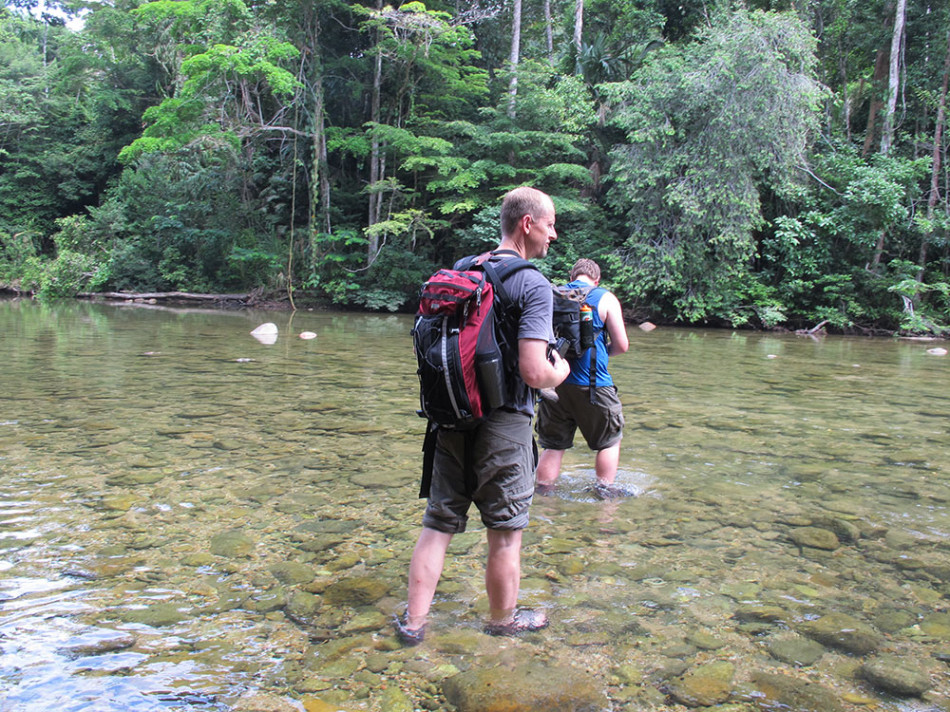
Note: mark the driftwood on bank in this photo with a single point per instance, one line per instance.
(820, 327)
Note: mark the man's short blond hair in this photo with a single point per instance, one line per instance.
(520, 202)
(585, 267)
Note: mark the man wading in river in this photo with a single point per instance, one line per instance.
(598, 414)
(502, 453)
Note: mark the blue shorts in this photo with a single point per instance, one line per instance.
(502, 457)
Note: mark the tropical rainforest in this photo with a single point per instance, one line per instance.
(766, 164)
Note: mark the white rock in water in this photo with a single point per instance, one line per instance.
(266, 328)
(647, 326)
(937, 351)
(772, 356)
(307, 335)
(266, 333)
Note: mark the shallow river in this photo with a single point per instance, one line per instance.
(192, 519)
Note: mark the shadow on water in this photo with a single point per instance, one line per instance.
(191, 519)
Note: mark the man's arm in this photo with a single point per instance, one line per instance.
(536, 369)
(612, 316)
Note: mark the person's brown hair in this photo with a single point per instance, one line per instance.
(585, 267)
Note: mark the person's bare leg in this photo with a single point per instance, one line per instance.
(425, 570)
(606, 463)
(503, 573)
(549, 467)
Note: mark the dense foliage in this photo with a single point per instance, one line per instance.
(774, 163)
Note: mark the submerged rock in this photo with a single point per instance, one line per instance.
(134, 478)
(815, 537)
(257, 702)
(156, 615)
(232, 543)
(896, 676)
(121, 502)
(844, 632)
(524, 688)
(355, 591)
(796, 651)
(784, 692)
(704, 686)
(936, 625)
(292, 572)
(761, 613)
(103, 641)
(705, 641)
(365, 622)
(302, 607)
(395, 700)
(893, 620)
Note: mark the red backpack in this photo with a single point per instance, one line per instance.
(461, 341)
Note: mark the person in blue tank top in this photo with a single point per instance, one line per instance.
(599, 415)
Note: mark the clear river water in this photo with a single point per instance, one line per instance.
(191, 519)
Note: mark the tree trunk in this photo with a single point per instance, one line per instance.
(878, 252)
(846, 99)
(935, 166)
(375, 197)
(514, 58)
(549, 31)
(319, 209)
(319, 180)
(578, 32)
(887, 132)
(893, 82)
(880, 71)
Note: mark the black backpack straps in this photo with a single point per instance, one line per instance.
(592, 365)
(592, 372)
(498, 272)
(497, 281)
(504, 252)
(428, 459)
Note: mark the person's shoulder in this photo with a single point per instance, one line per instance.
(464, 262)
(606, 293)
(534, 278)
(610, 302)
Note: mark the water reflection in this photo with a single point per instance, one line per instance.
(189, 517)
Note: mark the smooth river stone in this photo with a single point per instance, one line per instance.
(896, 676)
(844, 632)
(815, 537)
(524, 688)
(231, 544)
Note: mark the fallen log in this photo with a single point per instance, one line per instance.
(814, 330)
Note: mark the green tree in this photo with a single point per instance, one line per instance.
(709, 125)
(38, 127)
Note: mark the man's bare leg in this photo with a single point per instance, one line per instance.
(425, 570)
(503, 573)
(606, 463)
(549, 467)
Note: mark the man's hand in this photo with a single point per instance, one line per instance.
(538, 368)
